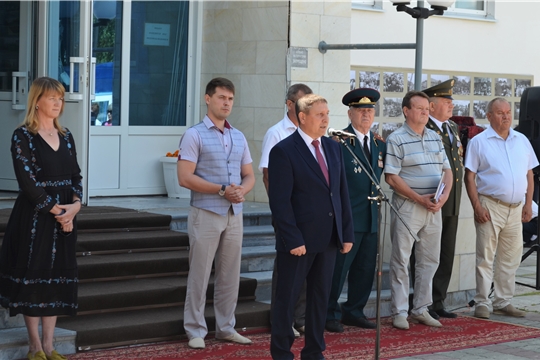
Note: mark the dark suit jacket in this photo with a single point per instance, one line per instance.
(305, 208)
(365, 212)
(454, 153)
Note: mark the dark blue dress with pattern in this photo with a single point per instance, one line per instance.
(38, 268)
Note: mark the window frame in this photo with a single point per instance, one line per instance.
(487, 14)
(377, 5)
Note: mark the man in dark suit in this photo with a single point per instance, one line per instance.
(360, 262)
(312, 215)
(440, 111)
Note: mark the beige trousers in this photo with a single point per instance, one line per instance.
(427, 226)
(499, 242)
(220, 237)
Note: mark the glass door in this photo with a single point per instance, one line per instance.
(16, 72)
(69, 60)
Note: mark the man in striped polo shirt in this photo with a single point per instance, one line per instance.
(415, 163)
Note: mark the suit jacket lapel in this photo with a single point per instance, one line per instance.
(308, 157)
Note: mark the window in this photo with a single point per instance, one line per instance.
(106, 48)
(9, 38)
(481, 9)
(469, 5)
(158, 66)
(367, 4)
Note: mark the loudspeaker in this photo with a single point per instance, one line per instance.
(529, 119)
(529, 113)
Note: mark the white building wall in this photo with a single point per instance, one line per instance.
(505, 45)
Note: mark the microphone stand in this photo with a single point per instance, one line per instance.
(380, 198)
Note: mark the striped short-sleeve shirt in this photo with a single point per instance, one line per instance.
(418, 159)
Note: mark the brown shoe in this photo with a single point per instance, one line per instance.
(481, 312)
(510, 310)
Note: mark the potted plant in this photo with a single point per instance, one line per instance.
(170, 175)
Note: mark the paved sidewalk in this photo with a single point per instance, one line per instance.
(527, 299)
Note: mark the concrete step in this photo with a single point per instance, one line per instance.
(119, 295)
(263, 293)
(263, 258)
(257, 258)
(7, 322)
(135, 327)
(260, 235)
(14, 342)
(179, 222)
(129, 240)
(135, 264)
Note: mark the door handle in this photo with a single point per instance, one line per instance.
(16, 75)
(93, 78)
(72, 61)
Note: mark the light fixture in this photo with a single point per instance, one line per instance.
(420, 12)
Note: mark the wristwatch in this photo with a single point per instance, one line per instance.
(222, 190)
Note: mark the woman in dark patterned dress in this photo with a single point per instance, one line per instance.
(38, 269)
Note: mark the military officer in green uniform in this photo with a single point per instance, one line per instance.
(440, 111)
(360, 262)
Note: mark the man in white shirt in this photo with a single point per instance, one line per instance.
(275, 134)
(499, 163)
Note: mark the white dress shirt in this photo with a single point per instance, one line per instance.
(275, 134)
(501, 165)
(440, 126)
(309, 144)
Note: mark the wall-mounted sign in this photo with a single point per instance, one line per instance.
(299, 57)
(157, 34)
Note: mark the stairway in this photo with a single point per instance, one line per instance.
(133, 271)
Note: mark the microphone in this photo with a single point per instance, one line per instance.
(334, 132)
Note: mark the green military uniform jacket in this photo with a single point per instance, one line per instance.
(365, 212)
(454, 152)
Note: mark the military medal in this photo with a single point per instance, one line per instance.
(357, 169)
(381, 165)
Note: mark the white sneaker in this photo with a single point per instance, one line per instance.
(400, 322)
(426, 319)
(196, 343)
(237, 338)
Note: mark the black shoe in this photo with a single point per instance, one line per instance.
(359, 322)
(334, 326)
(445, 314)
(434, 314)
(529, 244)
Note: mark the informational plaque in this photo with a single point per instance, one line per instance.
(299, 57)
(157, 34)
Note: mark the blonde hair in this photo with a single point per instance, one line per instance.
(40, 87)
(305, 103)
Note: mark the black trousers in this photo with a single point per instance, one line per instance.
(316, 270)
